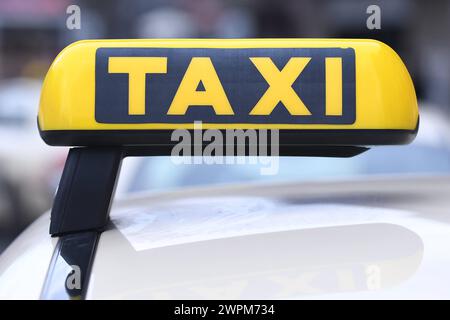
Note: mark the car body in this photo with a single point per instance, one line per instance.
(366, 238)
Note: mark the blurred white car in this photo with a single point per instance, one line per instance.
(28, 167)
(429, 153)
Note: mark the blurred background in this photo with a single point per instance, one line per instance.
(32, 33)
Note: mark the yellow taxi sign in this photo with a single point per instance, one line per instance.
(315, 91)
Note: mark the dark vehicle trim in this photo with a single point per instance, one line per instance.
(72, 251)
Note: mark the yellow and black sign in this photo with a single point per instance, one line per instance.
(253, 86)
(128, 92)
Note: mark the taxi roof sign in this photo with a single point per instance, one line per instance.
(118, 98)
(317, 92)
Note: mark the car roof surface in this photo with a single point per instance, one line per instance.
(383, 237)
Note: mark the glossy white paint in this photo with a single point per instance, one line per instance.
(369, 238)
(373, 238)
(24, 264)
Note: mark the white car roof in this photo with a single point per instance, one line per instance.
(359, 239)
(370, 238)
